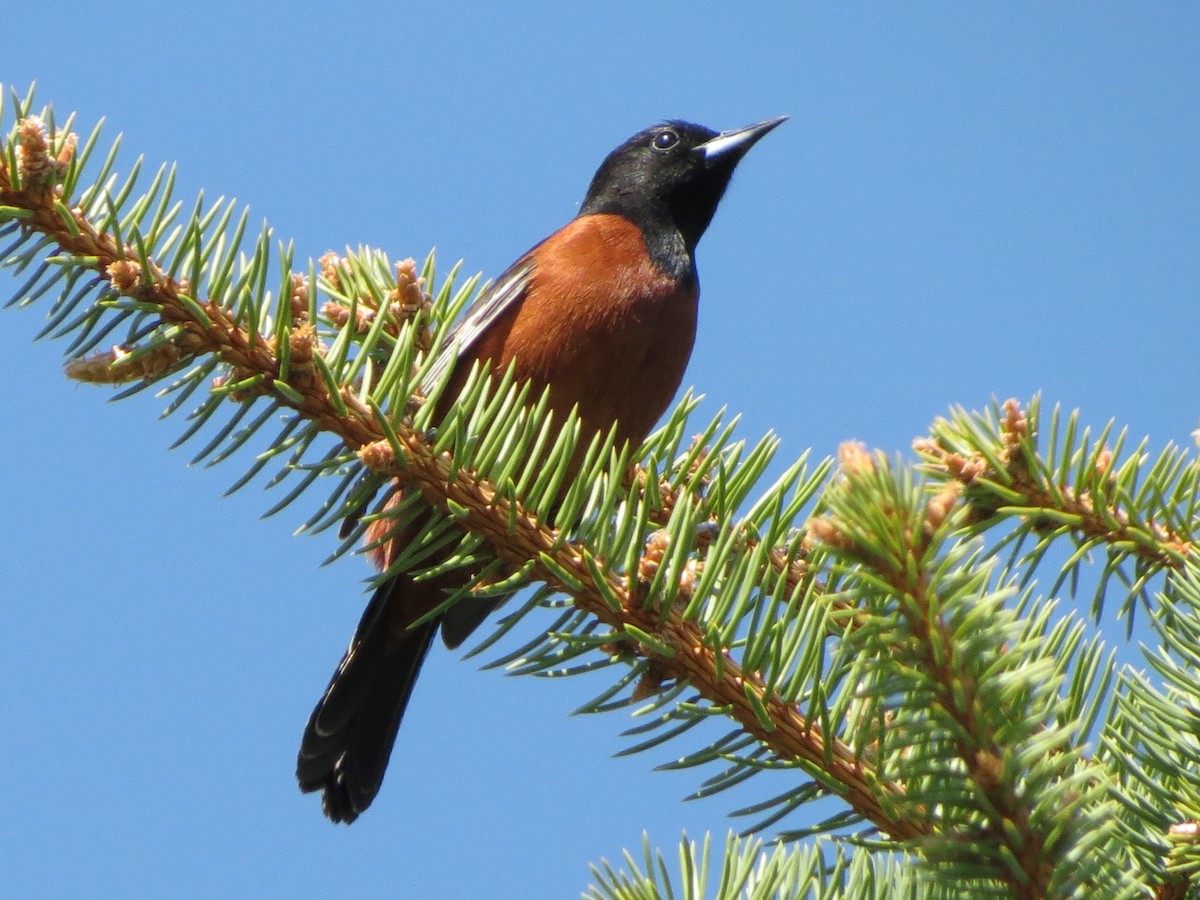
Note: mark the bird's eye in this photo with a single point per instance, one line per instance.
(665, 140)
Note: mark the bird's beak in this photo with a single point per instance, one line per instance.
(732, 145)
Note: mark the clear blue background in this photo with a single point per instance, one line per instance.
(970, 201)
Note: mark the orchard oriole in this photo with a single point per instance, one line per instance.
(603, 312)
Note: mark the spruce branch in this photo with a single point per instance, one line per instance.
(1078, 487)
(943, 639)
(748, 870)
(855, 630)
(338, 393)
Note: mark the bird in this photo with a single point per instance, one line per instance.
(603, 312)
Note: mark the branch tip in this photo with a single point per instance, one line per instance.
(378, 456)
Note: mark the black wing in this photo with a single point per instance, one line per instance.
(500, 296)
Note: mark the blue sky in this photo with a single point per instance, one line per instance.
(969, 201)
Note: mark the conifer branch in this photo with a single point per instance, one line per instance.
(902, 559)
(284, 370)
(857, 629)
(1092, 497)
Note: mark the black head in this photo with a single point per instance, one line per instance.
(668, 180)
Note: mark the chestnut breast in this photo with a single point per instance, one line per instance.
(601, 325)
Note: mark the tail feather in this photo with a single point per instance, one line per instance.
(461, 619)
(349, 738)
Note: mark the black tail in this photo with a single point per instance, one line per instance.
(348, 741)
